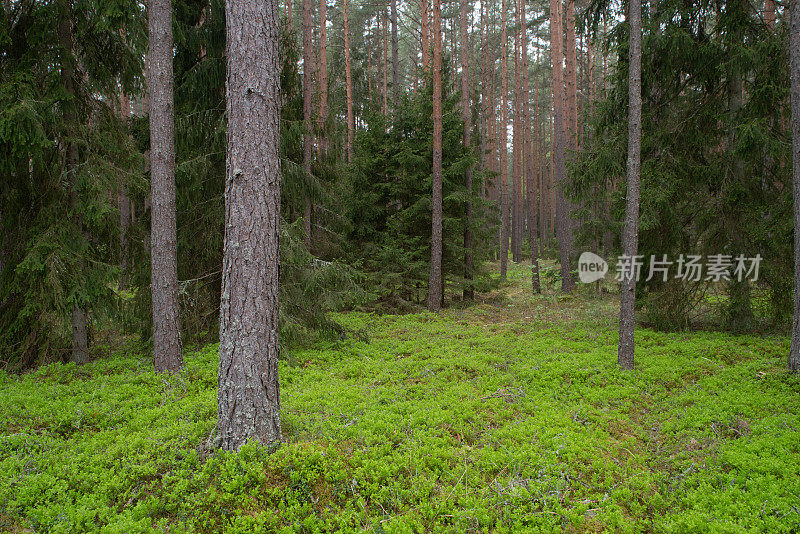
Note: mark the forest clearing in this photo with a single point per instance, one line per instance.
(507, 416)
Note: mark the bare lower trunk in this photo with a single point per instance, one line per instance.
(435, 287)
(163, 241)
(516, 185)
(529, 163)
(395, 54)
(308, 97)
(562, 222)
(466, 116)
(794, 50)
(348, 84)
(323, 74)
(248, 397)
(630, 232)
(505, 216)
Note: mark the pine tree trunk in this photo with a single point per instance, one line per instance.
(248, 397)
(385, 65)
(570, 54)
(563, 225)
(769, 14)
(630, 232)
(794, 52)
(529, 154)
(466, 117)
(423, 10)
(349, 85)
(395, 54)
(516, 187)
(435, 293)
(308, 105)
(323, 75)
(124, 208)
(505, 215)
(163, 240)
(289, 20)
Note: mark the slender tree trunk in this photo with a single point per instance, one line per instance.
(505, 215)
(124, 207)
(423, 11)
(516, 186)
(570, 54)
(349, 84)
(289, 20)
(769, 14)
(308, 105)
(323, 74)
(794, 51)
(529, 154)
(630, 232)
(163, 240)
(248, 398)
(80, 337)
(435, 293)
(466, 116)
(385, 66)
(395, 54)
(563, 225)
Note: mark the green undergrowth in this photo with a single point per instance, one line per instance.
(507, 416)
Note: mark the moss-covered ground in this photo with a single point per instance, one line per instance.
(506, 416)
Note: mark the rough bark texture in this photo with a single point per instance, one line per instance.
(163, 241)
(385, 63)
(466, 116)
(435, 293)
(794, 51)
(349, 84)
(248, 397)
(769, 14)
(505, 215)
(570, 61)
(80, 337)
(630, 232)
(562, 223)
(395, 54)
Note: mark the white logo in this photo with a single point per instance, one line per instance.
(591, 267)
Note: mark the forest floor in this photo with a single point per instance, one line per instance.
(506, 416)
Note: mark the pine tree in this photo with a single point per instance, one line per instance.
(466, 116)
(435, 293)
(794, 53)
(163, 241)
(630, 232)
(348, 84)
(249, 398)
(505, 215)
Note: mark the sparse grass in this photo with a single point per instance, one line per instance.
(507, 416)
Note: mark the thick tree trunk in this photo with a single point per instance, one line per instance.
(248, 398)
(395, 54)
(630, 232)
(163, 241)
(563, 225)
(794, 51)
(505, 215)
(466, 117)
(435, 292)
(349, 85)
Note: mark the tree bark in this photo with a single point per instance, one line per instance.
(163, 241)
(435, 292)
(385, 63)
(516, 187)
(248, 397)
(466, 117)
(395, 54)
(423, 11)
(308, 105)
(505, 214)
(349, 85)
(794, 51)
(630, 232)
(563, 225)
(323, 74)
(529, 155)
(571, 59)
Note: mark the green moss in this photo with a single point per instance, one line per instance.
(490, 419)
